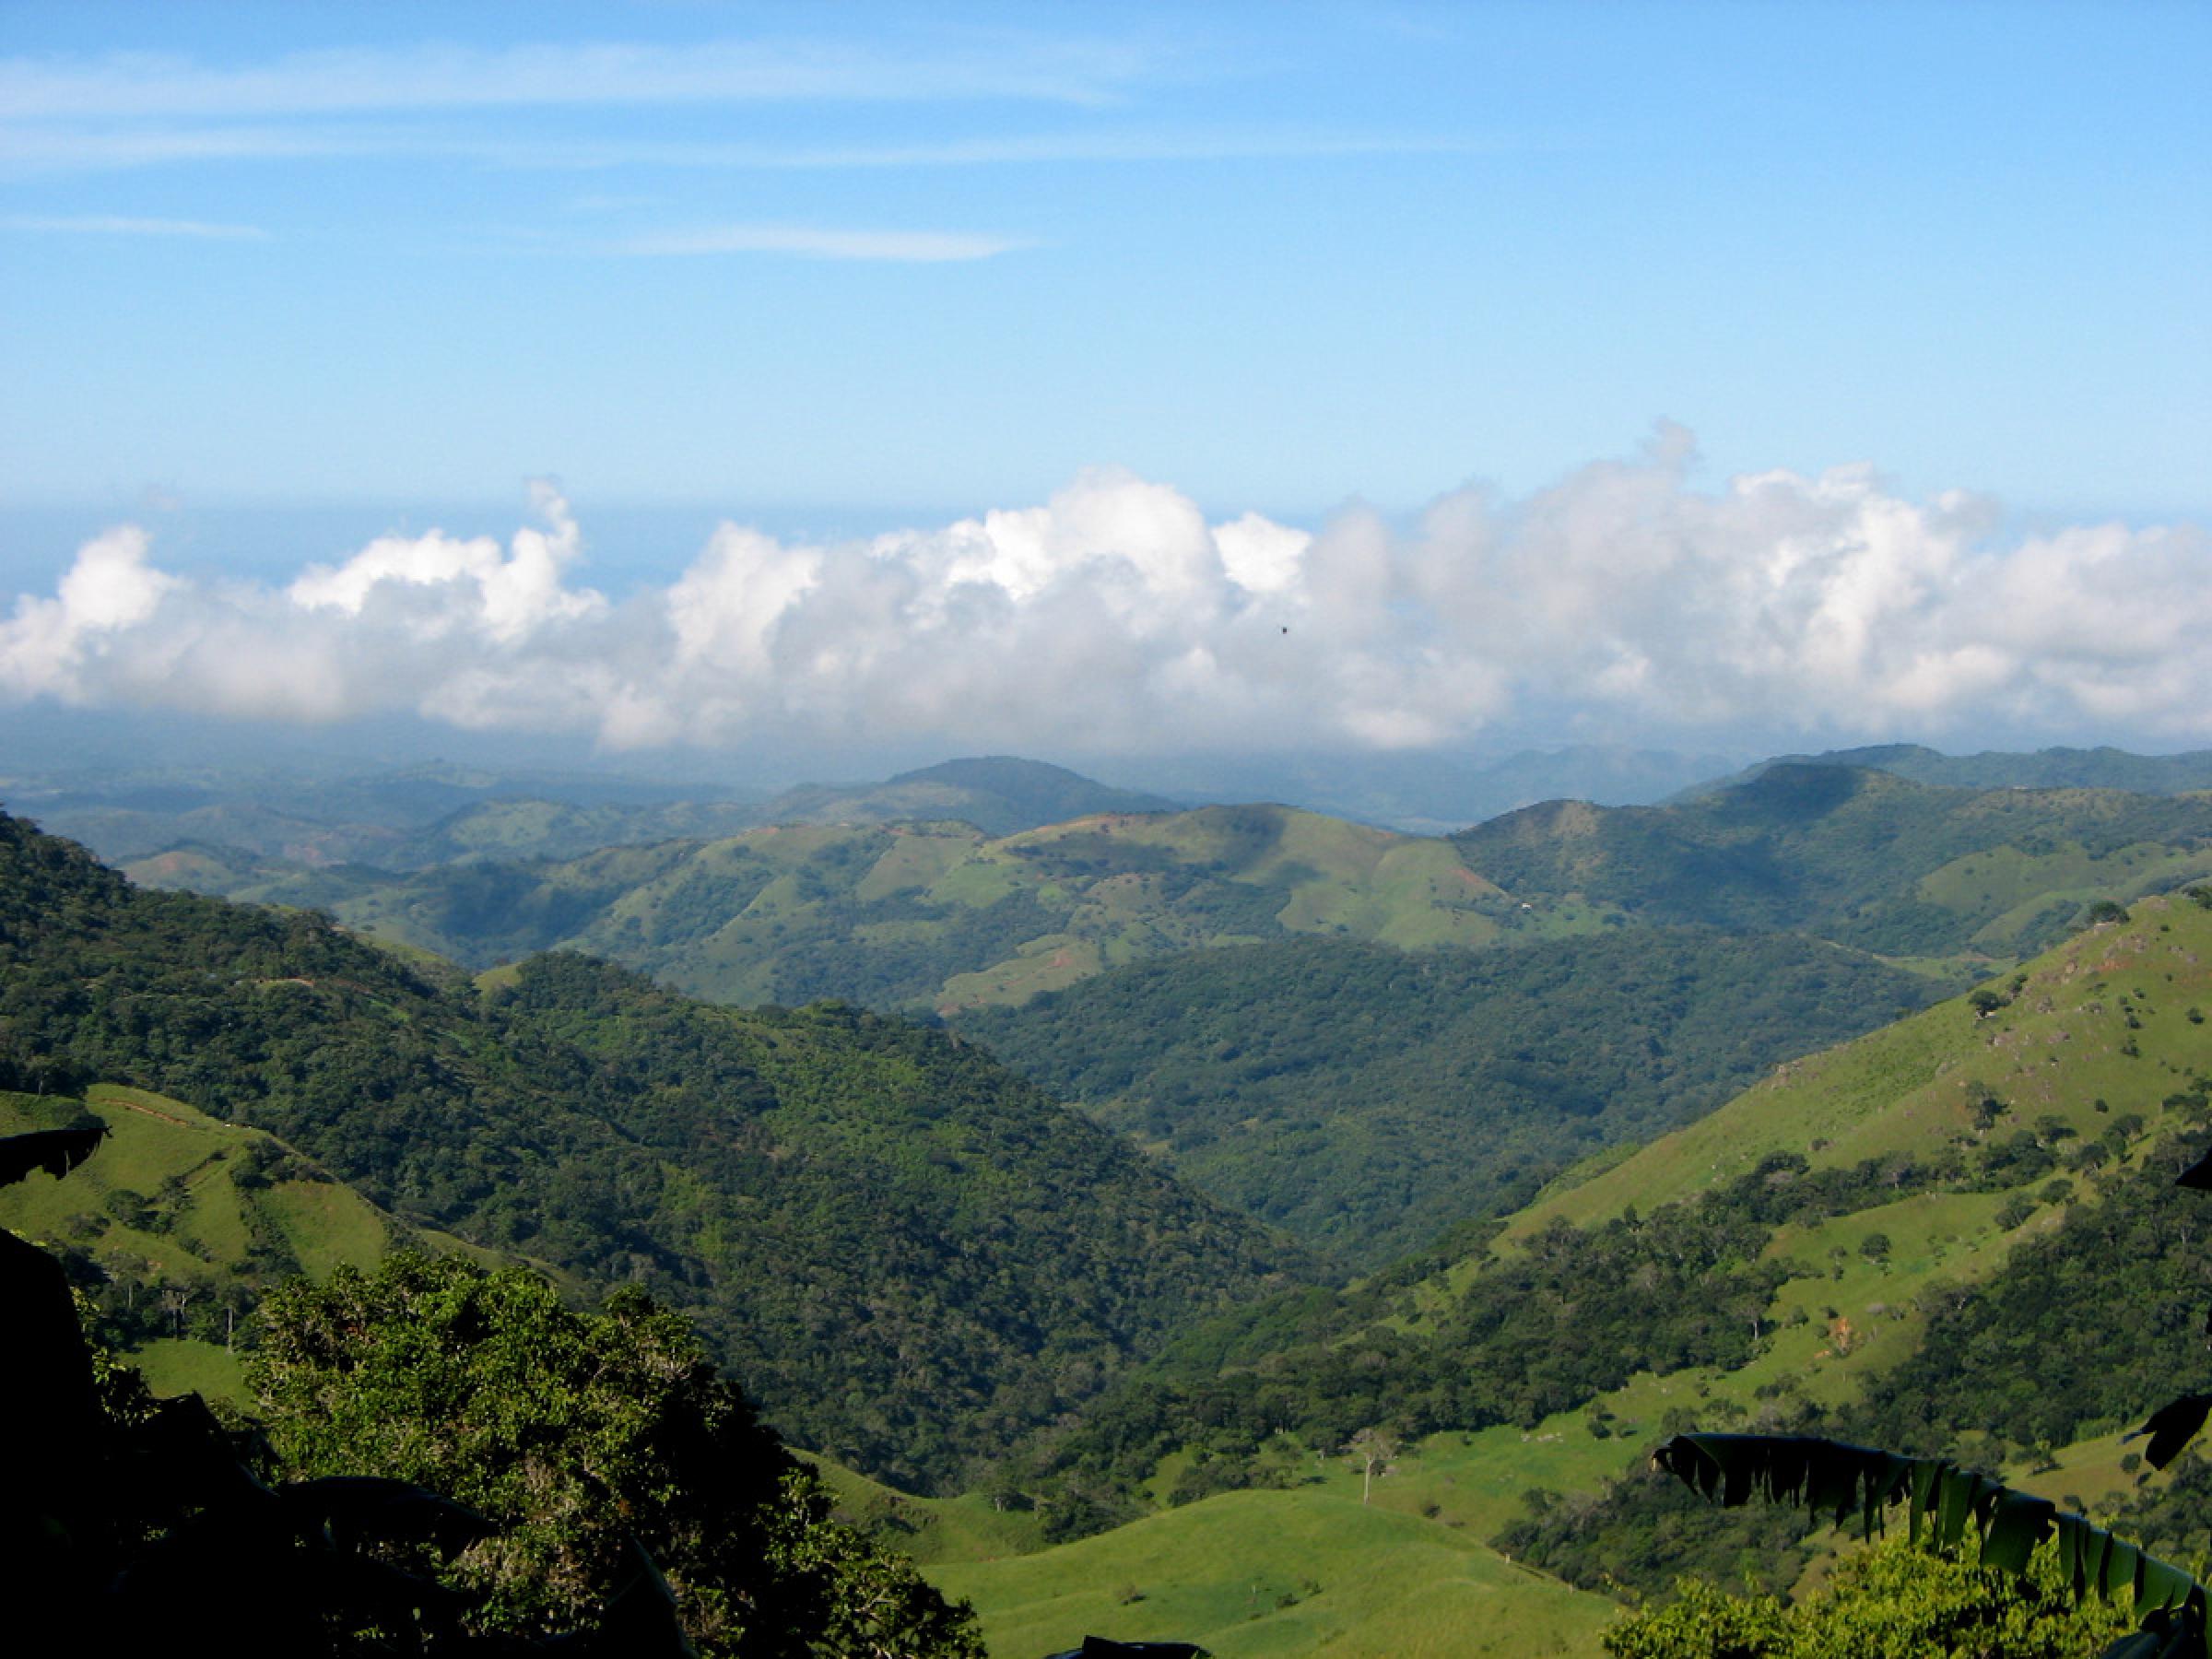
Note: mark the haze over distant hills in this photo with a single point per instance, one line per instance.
(408, 817)
(1379, 1042)
(1998, 769)
(1430, 791)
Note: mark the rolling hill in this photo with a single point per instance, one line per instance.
(1835, 1226)
(1999, 768)
(893, 1242)
(999, 795)
(1280, 1573)
(297, 818)
(1861, 858)
(1367, 1098)
(260, 826)
(932, 916)
(182, 1221)
(940, 916)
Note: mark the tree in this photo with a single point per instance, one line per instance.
(2014, 1528)
(1377, 1450)
(121, 1507)
(1891, 1599)
(574, 1432)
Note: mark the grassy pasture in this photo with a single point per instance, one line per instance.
(1279, 1573)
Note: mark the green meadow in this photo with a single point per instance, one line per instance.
(1279, 1573)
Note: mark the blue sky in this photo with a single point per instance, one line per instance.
(941, 257)
(840, 270)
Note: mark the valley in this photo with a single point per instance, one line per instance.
(1500, 1156)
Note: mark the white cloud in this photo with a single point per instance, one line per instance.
(109, 144)
(1116, 616)
(928, 247)
(434, 584)
(49, 643)
(141, 85)
(112, 225)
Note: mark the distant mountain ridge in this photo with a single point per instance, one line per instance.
(2102, 768)
(1864, 858)
(922, 917)
(940, 916)
(1432, 792)
(1000, 794)
(433, 814)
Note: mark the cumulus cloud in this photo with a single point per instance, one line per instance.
(1116, 616)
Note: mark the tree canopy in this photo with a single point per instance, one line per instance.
(577, 1433)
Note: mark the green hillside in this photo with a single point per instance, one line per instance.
(1861, 858)
(296, 816)
(1768, 1260)
(1368, 1098)
(999, 795)
(267, 825)
(939, 915)
(1279, 1573)
(1997, 769)
(2102, 1016)
(934, 915)
(180, 1224)
(895, 1243)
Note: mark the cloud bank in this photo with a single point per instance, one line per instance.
(1115, 618)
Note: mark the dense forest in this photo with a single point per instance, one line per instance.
(923, 1266)
(435, 1459)
(1369, 1099)
(892, 1240)
(1861, 858)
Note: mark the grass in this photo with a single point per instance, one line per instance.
(175, 1366)
(968, 1528)
(2055, 1051)
(1116, 888)
(204, 1224)
(2058, 1046)
(1279, 1573)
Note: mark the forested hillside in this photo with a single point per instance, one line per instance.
(1861, 858)
(236, 827)
(932, 915)
(1998, 769)
(894, 1242)
(1367, 1098)
(1948, 1234)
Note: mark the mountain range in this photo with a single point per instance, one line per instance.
(1560, 1088)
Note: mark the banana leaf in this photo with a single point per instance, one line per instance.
(1948, 1502)
(57, 1151)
